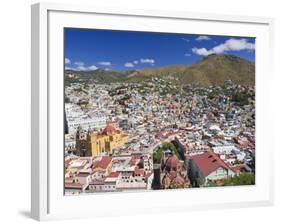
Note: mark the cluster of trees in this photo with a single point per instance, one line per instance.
(157, 155)
(240, 179)
(241, 98)
(174, 185)
(236, 180)
(213, 94)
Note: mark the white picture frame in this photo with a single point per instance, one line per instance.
(47, 199)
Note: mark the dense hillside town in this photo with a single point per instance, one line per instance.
(157, 133)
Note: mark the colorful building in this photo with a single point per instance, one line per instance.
(97, 143)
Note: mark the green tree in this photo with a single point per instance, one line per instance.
(240, 98)
(157, 155)
(240, 179)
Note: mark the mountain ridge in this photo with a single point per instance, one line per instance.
(210, 70)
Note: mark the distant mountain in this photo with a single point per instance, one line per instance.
(210, 70)
(215, 69)
(163, 71)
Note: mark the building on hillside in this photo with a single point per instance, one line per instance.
(207, 167)
(97, 143)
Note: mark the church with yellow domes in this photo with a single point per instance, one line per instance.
(96, 143)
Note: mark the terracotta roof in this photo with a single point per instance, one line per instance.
(109, 129)
(114, 174)
(67, 162)
(103, 163)
(73, 185)
(133, 162)
(83, 174)
(139, 171)
(209, 162)
(136, 157)
(172, 162)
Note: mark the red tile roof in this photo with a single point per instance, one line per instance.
(209, 162)
(73, 185)
(103, 163)
(133, 162)
(109, 129)
(114, 174)
(83, 174)
(139, 171)
(67, 162)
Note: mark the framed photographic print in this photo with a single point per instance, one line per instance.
(139, 111)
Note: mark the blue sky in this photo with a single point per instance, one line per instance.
(89, 49)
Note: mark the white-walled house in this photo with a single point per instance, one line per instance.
(84, 178)
(207, 166)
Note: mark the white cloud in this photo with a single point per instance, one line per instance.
(201, 51)
(67, 61)
(200, 38)
(229, 45)
(80, 66)
(105, 63)
(185, 39)
(79, 63)
(187, 54)
(147, 61)
(129, 65)
(136, 62)
(92, 67)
